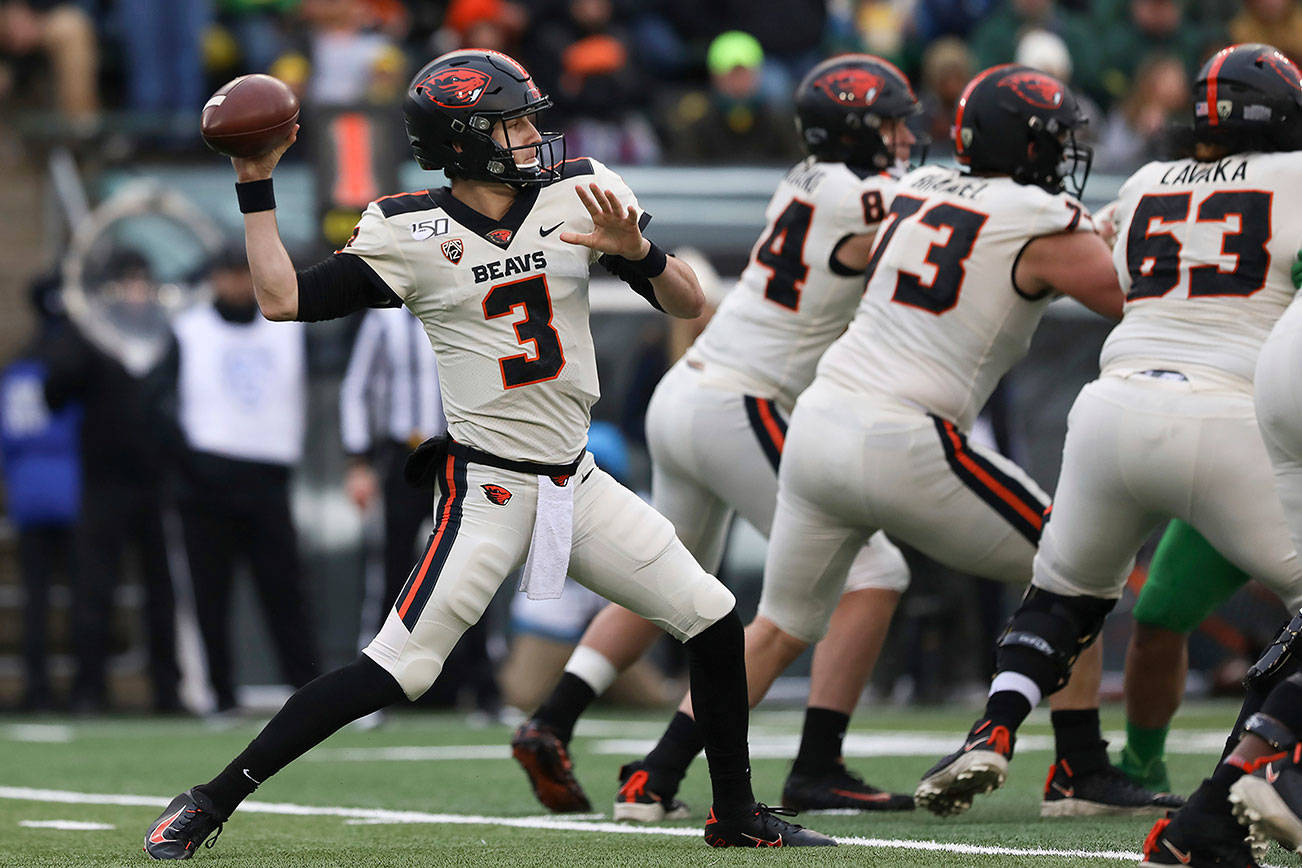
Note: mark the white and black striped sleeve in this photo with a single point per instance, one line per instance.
(366, 360)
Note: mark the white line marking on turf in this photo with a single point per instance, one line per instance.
(412, 753)
(762, 746)
(52, 733)
(67, 825)
(379, 815)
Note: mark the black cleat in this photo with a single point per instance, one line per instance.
(182, 827)
(839, 788)
(1180, 841)
(1105, 791)
(979, 766)
(762, 828)
(543, 756)
(640, 798)
(1269, 801)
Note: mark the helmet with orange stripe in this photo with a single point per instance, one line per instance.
(455, 102)
(1017, 121)
(1248, 97)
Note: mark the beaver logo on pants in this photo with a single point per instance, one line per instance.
(497, 494)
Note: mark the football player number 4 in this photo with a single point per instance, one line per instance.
(958, 229)
(545, 358)
(782, 251)
(1153, 252)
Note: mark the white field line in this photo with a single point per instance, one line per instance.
(67, 825)
(762, 746)
(379, 815)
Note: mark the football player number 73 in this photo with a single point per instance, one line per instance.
(544, 357)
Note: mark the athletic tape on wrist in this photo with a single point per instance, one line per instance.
(255, 196)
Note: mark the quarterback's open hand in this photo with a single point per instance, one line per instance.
(614, 228)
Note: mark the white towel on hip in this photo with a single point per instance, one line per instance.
(544, 572)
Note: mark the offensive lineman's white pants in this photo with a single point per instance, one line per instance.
(715, 452)
(622, 549)
(855, 465)
(1279, 413)
(1141, 449)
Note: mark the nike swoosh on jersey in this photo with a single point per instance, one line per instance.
(545, 232)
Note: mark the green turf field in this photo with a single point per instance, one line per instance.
(433, 790)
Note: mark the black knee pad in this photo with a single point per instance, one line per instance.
(1046, 635)
(1277, 662)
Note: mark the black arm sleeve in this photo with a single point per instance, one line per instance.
(338, 285)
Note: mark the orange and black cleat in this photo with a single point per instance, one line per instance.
(182, 827)
(762, 827)
(979, 766)
(1177, 841)
(643, 799)
(544, 758)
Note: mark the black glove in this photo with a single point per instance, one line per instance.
(424, 466)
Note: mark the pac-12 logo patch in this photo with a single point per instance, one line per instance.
(500, 236)
(453, 248)
(455, 88)
(1035, 88)
(496, 493)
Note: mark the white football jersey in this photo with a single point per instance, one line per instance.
(794, 298)
(505, 305)
(1203, 252)
(942, 320)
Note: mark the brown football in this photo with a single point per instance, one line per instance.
(249, 116)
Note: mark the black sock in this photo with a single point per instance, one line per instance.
(1284, 703)
(1007, 708)
(820, 741)
(1078, 739)
(568, 700)
(673, 753)
(307, 718)
(717, 668)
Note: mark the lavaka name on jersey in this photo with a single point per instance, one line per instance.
(1196, 173)
(535, 261)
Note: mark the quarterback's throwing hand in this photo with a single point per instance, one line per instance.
(614, 226)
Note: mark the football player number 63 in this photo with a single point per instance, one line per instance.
(547, 358)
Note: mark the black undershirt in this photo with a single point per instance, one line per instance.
(339, 285)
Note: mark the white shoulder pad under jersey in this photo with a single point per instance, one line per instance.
(1203, 253)
(794, 298)
(505, 305)
(942, 320)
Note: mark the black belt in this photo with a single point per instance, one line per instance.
(477, 456)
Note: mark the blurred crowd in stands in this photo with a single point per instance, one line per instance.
(634, 81)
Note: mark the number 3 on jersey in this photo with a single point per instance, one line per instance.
(547, 359)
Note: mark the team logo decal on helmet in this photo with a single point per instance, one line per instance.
(453, 248)
(1035, 88)
(856, 87)
(455, 88)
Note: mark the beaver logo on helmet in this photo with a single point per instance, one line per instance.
(1035, 88)
(1284, 68)
(455, 87)
(852, 87)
